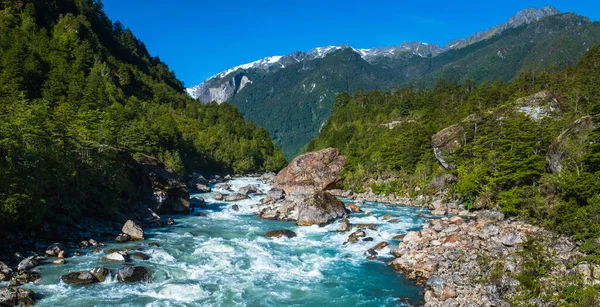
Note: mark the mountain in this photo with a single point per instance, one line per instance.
(292, 95)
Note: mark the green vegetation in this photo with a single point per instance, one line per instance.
(294, 102)
(503, 144)
(77, 91)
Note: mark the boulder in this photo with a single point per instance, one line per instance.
(171, 221)
(319, 209)
(130, 273)
(487, 216)
(24, 277)
(199, 214)
(198, 202)
(162, 187)
(59, 261)
(387, 217)
(280, 233)
(276, 194)
(139, 256)
(79, 278)
(121, 238)
(235, 208)
(353, 237)
(235, 197)
(5, 272)
(114, 257)
(28, 263)
(100, 273)
(344, 226)
(512, 239)
(56, 248)
(354, 208)
(195, 179)
(201, 188)
(380, 246)
(218, 196)
(16, 297)
(134, 231)
(249, 189)
(311, 172)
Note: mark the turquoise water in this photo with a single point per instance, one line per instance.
(224, 259)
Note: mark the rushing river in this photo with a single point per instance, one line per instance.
(224, 259)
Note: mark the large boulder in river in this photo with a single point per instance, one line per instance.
(249, 189)
(28, 263)
(130, 273)
(319, 208)
(134, 231)
(16, 297)
(311, 172)
(162, 186)
(55, 249)
(280, 233)
(276, 194)
(79, 278)
(235, 197)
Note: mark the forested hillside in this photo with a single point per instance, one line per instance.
(77, 91)
(530, 146)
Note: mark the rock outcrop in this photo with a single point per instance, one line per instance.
(311, 172)
(445, 142)
(560, 151)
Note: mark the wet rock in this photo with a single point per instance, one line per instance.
(355, 235)
(121, 238)
(24, 277)
(54, 249)
(100, 273)
(367, 226)
(387, 217)
(394, 221)
(199, 214)
(380, 246)
(61, 254)
(235, 208)
(512, 239)
(354, 208)
(235, 197)
(133, 230)
(398, 237)
(16, 297)
(83, 244)
(311, 172)
(139, 256)
(198, 202)
(218, 196)
(92, 242)
(59, 261)
(368, 239)
(5, 272)
(201, 188)
(162, 187)
(154, 244)
(249, 189)
(129, 273)
(280, 233)
(28, 263)
(344, 226)
(114, 257)
(79, 278)
(276, 194)
(320, 208)
(77, 253)
(171, 222)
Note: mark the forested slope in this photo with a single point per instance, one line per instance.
(77, 91)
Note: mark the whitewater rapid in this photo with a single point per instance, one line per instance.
(224, 259)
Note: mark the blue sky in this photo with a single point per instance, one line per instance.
(199, 38)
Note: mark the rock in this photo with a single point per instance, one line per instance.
(448, 293)
(445, 142)
(438, 212)
(456, 220)
(249, 189)
(562, 148)
(77, 253)
(114, 257)
(218, 196)
(24, 277)
(367, 226)
(235, 197)
(354, 208)
(276, 194)
(154, 244)
(344, 226)
(319, 209)
(160, 186)
(487, 216)
(59, 261)
(412, 237)
(92, 242)
(394, 221)
(129, 273)
(139, 256)
(437, 285)
(134, 231)
(387, 217)
(235, 208)
(398, 237)
(512, 239)
(55, 249)
(311, 172)
(198, 202)
(28, 263)
(201, 188)
(355, 235)
(79, 278)
(171, 222)
(380, 246)
(121, 238)
(368, 239)
(5, 272)
(199, 214)
(195, 179)
(280, 233)
(61, 254)
(16, 297)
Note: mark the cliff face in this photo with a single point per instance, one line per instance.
(219, 91)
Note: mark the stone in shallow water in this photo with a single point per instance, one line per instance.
(139, 256)
(28, 263)
(55, 249)
(100, 273)
(280, 233)
(134, 231)
(114, 257)
(130, 273)
(79, 278)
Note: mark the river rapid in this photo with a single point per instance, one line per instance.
(224, 259)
